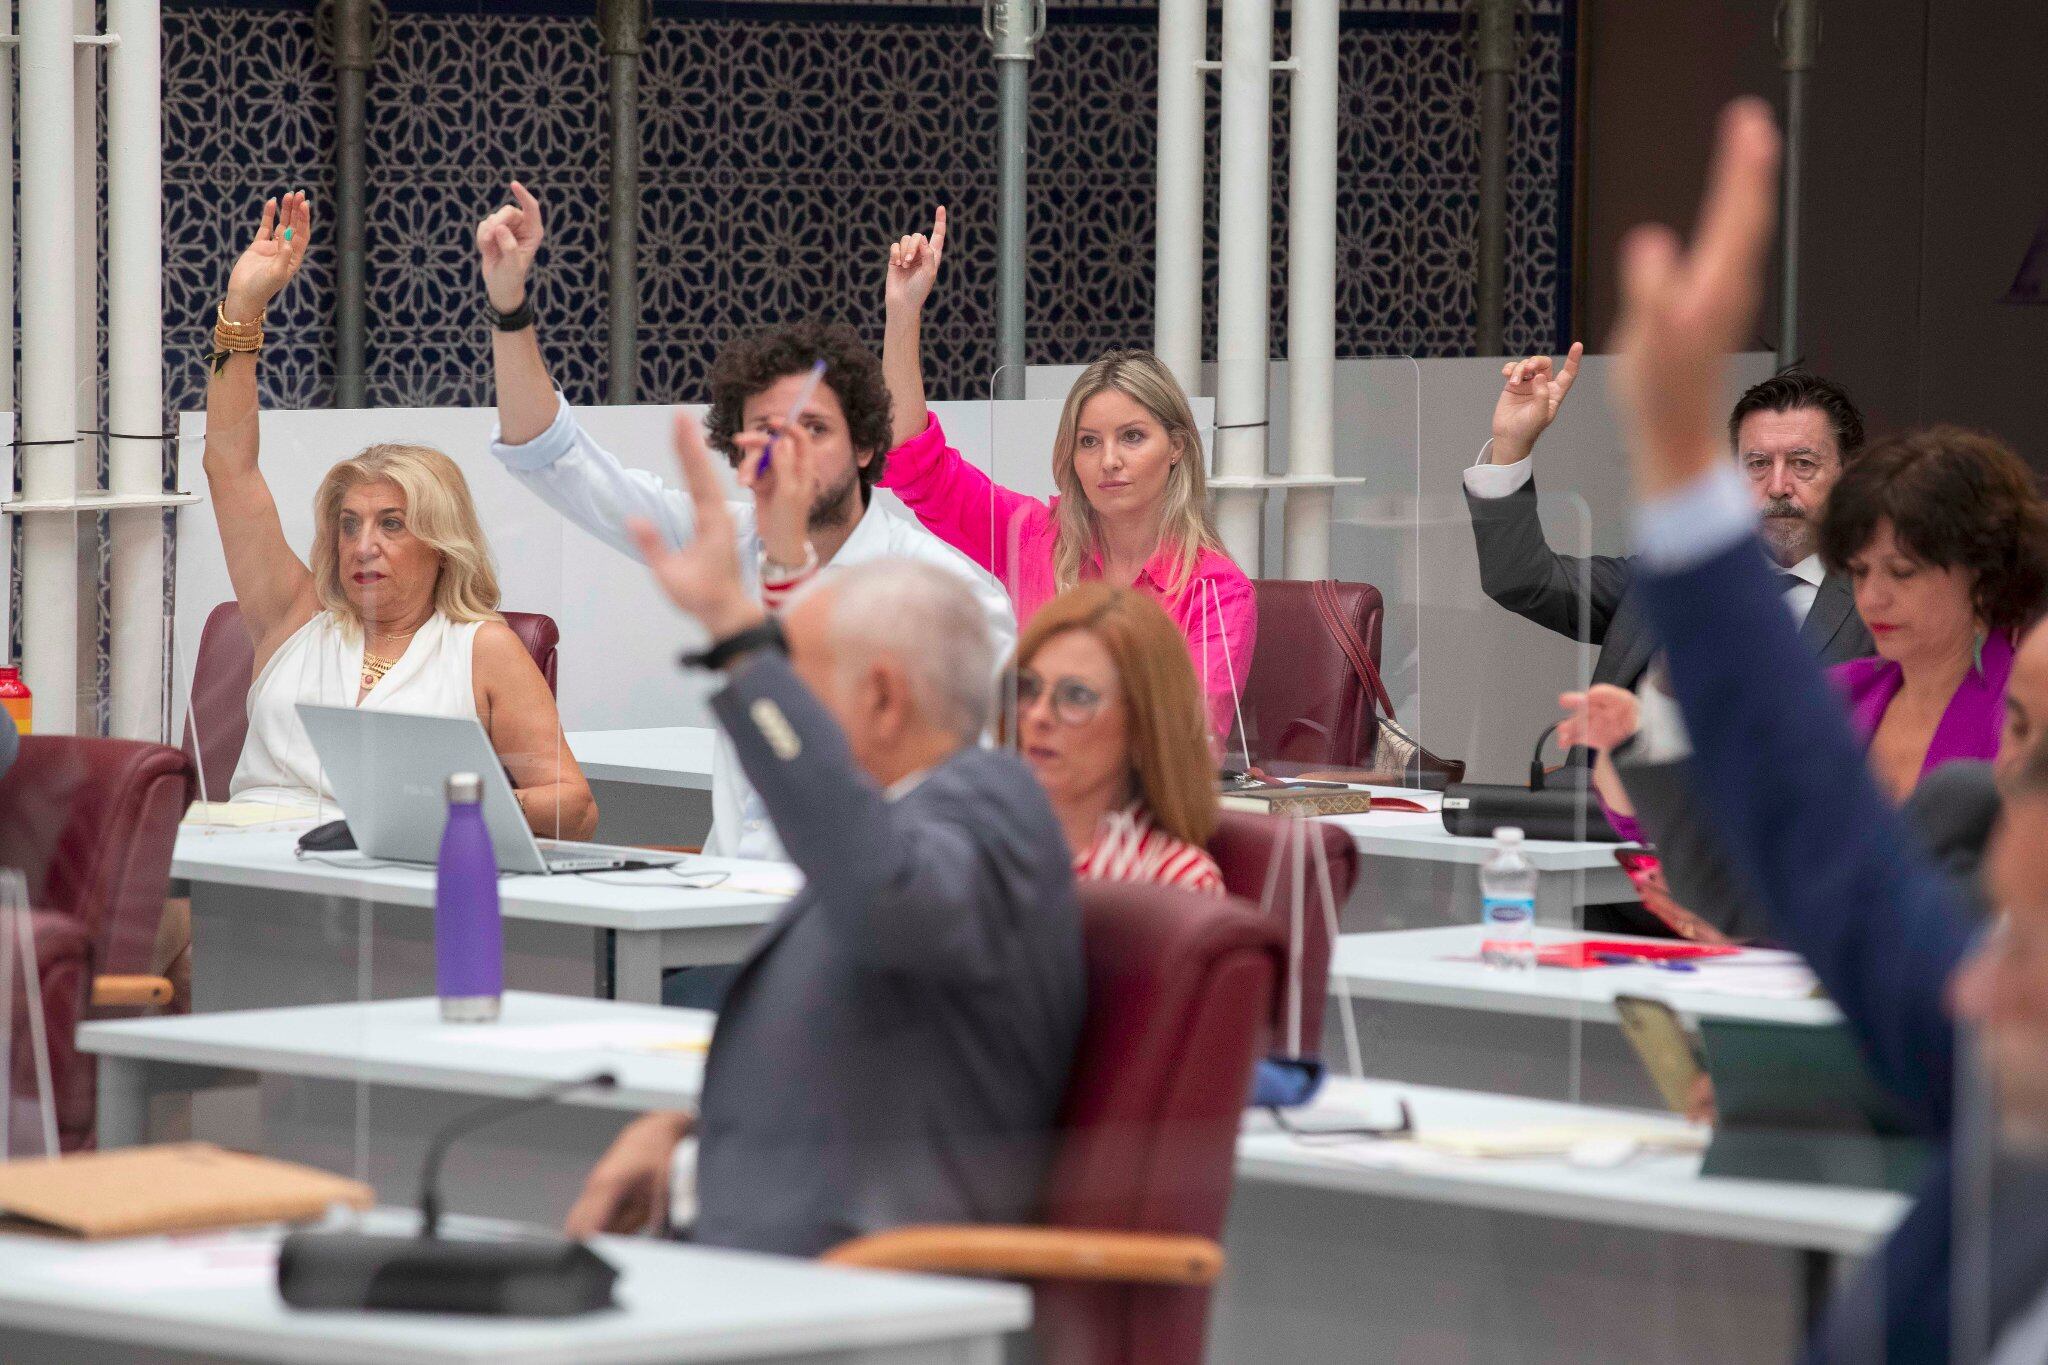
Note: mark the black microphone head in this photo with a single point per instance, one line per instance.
(603, 1080)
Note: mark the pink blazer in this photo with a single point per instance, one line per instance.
(1011, 536)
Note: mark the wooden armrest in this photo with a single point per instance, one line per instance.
(1034, 1253)
(113, 991)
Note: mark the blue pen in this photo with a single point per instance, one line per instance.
(1626, 960)
(796, 410)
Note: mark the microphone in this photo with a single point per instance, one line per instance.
(542, 1276)
(1536, 774)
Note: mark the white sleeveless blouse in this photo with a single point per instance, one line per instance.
(322, 664)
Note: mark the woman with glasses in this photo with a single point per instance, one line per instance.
(1109, 717)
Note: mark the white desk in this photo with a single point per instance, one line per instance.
(677, 1303)
(652, 786)
(671, 756)
(1439, 1257)
(272, 928)
(1568, 875)
(1427, 1016)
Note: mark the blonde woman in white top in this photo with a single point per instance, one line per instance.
(399, 608)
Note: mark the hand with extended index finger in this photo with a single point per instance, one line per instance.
(507, 242)
(702, 576)
(271, 259)
(914, 266)
(1529, 402)
(785, 492)
(1685, 309)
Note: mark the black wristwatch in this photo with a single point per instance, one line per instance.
(764, 634)
(518, 320)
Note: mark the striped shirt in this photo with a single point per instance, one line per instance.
(1129, 847)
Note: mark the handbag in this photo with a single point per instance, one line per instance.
(1396, 755)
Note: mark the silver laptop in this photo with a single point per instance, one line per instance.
(389, 770)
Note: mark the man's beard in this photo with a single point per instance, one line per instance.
(1787, 530)
(834, 507)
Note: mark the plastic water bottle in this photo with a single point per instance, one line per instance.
(469, 937)
(1507, 886)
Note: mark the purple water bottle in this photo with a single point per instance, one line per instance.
(469, 938)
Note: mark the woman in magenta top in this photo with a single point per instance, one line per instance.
(1132, 507)
(1945, 540)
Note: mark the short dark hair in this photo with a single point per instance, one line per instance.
(1956, 499)
(756, 360)
(1791, 389)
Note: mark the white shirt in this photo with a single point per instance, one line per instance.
(585, 483)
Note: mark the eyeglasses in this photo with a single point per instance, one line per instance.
(1802, 468)
(1336, 1135)
(1073, 701)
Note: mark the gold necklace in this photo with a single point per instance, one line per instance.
(374, 669)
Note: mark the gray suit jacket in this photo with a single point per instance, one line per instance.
(1519, 570)
(896, 1047)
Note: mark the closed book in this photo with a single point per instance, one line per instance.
(1288, 799)
(177, 1187)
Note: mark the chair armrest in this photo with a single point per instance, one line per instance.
(110, 992)
(1036, 1253)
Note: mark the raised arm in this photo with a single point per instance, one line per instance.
(913, 269)
(272, 584)
(506, 243)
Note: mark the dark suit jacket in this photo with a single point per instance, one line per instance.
(1952, 810)
(1842, 881)
(1519, 570)
(895, 1049)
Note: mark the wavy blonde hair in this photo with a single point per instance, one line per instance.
(1168, 724)
(1185, 523)
(438, 510)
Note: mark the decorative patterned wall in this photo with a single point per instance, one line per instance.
(784, 145)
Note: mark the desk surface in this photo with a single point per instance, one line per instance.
(1406, 834)
(1438, 967)
(677, 1303)
(1661, 1192)
(263, 857)
(404, 1043)
(670, 756)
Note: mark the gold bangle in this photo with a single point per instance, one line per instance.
(221, 319)
(237, 342)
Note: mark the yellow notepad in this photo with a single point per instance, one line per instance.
(243, 814)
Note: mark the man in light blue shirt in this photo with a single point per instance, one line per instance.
(781, 539)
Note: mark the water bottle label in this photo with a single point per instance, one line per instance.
(1509, 912)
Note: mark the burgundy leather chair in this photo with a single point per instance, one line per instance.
(1180, 1001)
(1244, 846)
(217, 722)
(1303, 702)
(91, 823)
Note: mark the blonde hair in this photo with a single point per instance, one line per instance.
(1184, 524)
(1168, 724)
(438, 511)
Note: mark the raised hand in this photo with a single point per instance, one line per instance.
(785, 493)
(914, 267)
(703, 577)
(1529, 402)
(267, 265)
(1601, 718)
(1684, 310)
(506, 243)
(628, 1189)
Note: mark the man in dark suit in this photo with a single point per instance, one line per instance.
(1783, 779)
(1790, 434)
(895, 1048)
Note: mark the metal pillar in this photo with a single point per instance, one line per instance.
(1177, 272)
(1013, 28)
(1495, 51)
(49, 364)
(1244, 252)
(1311, 286)
(1798, 37)
(623, 24)
(135, 372)
(355, 51)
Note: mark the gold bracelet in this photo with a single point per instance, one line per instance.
(237, 342)
(221, 319)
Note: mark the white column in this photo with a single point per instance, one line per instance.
(1244, 250)
(1177, 271)
(7, 209)
(135, 352)
(1311, 284)
(49, 363)
(85, 198)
